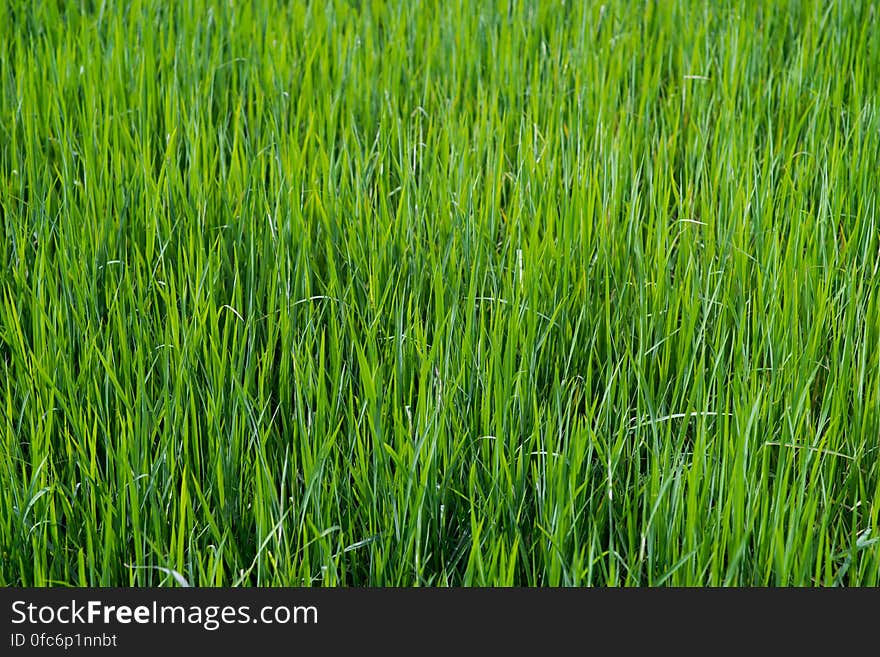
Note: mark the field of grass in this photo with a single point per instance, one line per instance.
(439, 293)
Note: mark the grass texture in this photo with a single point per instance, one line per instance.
(439, 293)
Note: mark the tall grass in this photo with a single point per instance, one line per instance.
(439, 293)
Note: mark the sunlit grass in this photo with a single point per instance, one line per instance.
(439, 293)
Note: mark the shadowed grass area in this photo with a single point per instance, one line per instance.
(439, 293)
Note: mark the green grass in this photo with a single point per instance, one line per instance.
(439, 293)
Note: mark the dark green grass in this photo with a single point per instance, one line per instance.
(439, 293)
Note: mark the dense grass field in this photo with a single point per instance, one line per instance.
(439, 293)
